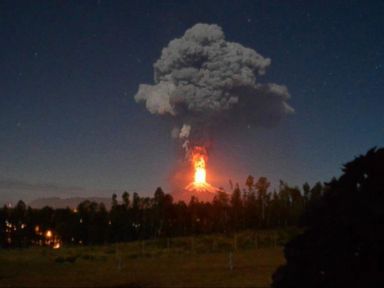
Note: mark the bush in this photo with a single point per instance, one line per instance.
(342, 245)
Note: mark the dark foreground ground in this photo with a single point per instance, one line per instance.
(211, 261)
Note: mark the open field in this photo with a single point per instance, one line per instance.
(205, 261)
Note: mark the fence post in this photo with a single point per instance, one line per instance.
(168, 244)
(274, 240)
(119, 258)
(192, 245)
(230, 260)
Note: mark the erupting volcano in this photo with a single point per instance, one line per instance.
(202, 82)
(199, 159)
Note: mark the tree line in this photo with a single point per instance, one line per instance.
(136, 218)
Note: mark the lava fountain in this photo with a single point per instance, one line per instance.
(199, 159)
(200, 171)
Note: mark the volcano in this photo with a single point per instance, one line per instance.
(203, 192)
(200, 187)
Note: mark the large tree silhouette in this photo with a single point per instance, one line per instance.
(342, 245)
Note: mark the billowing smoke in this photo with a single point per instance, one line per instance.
(202, 80)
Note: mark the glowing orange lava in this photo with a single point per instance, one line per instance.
(199, 159)
(200, 171)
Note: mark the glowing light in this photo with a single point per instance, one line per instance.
(56, 245)
(48, 234)
(200, 172)
(199, 158)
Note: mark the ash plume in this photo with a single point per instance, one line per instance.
(202, 80)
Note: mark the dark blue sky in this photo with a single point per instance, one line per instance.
(69, 71)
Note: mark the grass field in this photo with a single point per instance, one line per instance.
(206, 261)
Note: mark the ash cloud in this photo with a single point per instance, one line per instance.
(202, 80)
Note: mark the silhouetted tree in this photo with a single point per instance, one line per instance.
(66, 224)
(220, 205)
(19, 219)
(250, 182)
(114, 200)
(250, 204)
(306, 191)
(236, 209)
(126, 200)
(342, 245)
(262, 186)
(181, 218)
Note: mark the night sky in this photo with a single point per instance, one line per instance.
(69, 125)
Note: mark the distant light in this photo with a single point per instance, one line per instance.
(48, 234)
(56, 245)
